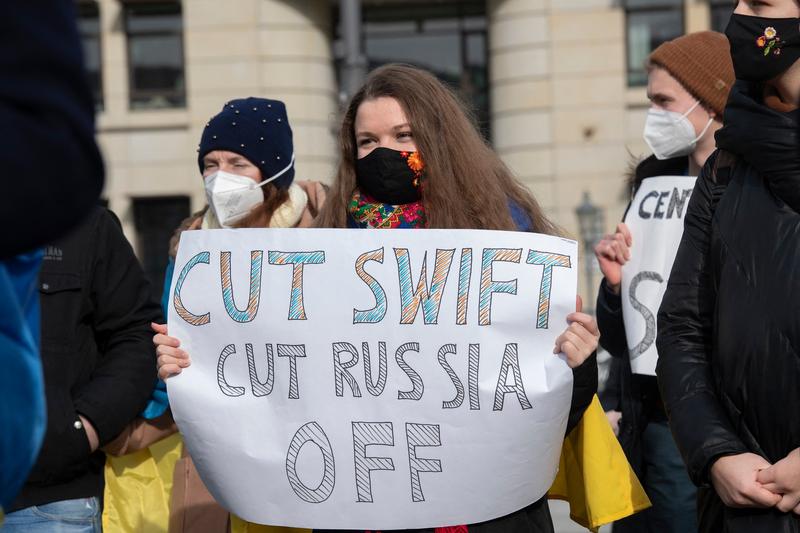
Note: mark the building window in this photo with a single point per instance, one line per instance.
(89, 30)
(649, 23)
(155, 55)
(449, 39)
(721, 11)
(156, 219)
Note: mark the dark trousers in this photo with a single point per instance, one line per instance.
(666, 482)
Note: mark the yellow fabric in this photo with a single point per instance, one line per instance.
(138, 487)
(240, 526)
(594, 475)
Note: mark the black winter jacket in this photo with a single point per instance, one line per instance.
(637, 396)
(97, 354)
(729, 332)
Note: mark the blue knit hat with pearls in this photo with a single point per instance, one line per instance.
(258, 129)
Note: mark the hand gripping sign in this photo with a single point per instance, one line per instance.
(655, 219)
(372, 379)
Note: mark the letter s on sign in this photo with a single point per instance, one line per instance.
(649, 318)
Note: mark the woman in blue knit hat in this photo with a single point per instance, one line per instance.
(246, 159)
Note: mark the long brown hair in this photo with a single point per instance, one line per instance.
(467, 186)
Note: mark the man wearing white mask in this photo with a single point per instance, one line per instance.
(689, 79)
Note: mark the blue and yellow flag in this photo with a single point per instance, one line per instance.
(594, 475)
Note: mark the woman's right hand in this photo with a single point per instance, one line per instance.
(171, 359)
(612, 252)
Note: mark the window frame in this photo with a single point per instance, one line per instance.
(81, 8)
(461, 12)
(145, 212)
(658, 6)
(143, 95)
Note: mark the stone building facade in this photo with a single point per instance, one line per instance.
(555, 83)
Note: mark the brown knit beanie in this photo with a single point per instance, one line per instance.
(702, 63)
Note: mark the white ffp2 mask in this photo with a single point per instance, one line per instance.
(670, 134)
(232, 196)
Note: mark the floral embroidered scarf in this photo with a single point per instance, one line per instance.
(365, 212)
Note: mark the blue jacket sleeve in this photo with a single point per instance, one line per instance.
(159, 402)
(22, 411)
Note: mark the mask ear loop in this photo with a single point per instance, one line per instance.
(708, 124)
(696, 103)
(702, 133)
(279, 174)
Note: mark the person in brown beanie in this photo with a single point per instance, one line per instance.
(689, 79)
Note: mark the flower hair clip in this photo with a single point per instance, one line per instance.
(769, 41)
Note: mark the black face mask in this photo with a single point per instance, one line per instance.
(763, 48)
(389, 176)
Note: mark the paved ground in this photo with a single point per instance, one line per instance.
(563, 523)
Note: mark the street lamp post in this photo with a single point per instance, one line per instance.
(590, 220)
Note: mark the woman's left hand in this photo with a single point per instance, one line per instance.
(580, 339)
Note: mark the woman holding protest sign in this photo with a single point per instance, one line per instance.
(728, 328)
(246, 158)
(689, 79)
(412, 158)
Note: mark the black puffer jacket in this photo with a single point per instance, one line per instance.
(729, 332)
(636, 396)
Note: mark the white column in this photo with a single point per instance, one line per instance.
(521, 92)
(296, 65)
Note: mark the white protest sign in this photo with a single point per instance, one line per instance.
(655, 219)
(372, 379)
